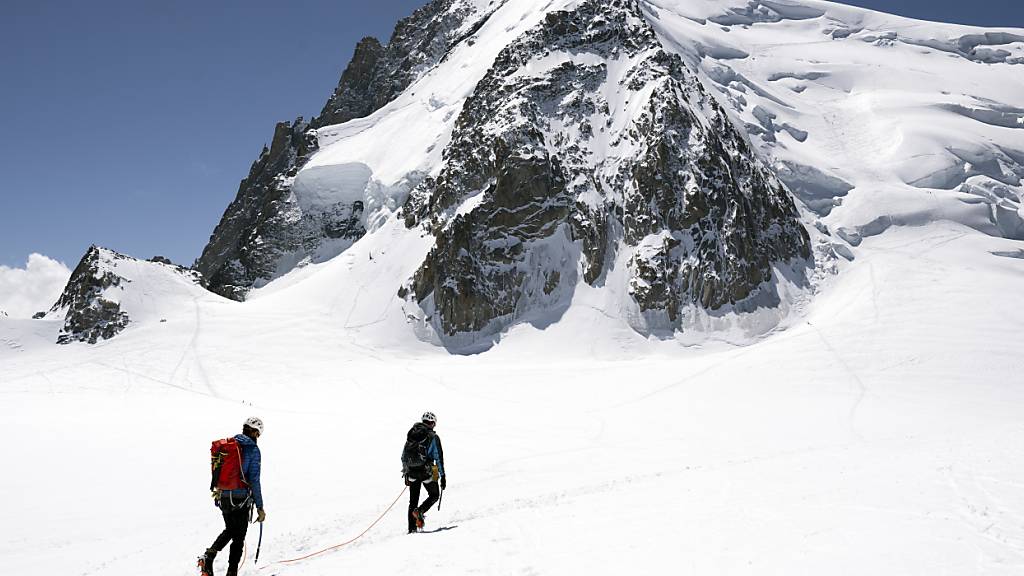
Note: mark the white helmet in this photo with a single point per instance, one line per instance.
(256, 424)
(429, 417)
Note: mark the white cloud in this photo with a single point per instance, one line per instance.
(25, 291)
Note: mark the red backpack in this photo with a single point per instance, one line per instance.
(226, 465)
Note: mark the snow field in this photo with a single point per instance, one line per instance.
(878, 436)
(873, 429)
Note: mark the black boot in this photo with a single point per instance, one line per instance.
(206, 562)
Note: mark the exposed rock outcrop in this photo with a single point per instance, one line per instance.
(90, 315)
(354, 97)
(585, 141)
(92, 302)
(377, 73)
(257, 227)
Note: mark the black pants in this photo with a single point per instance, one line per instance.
(414, 498)
(236, 523)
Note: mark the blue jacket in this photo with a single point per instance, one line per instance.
(250, 469)
(435, 454)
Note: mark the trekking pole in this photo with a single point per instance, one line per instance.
(439, 499)
(259, 545)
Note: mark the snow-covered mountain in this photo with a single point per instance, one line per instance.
(500, 164)
(750, 266)
(588, 148)
(550, 145)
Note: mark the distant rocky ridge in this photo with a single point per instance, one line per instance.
(378, 73)
(89, 315)
(264, 231)
(91, 303)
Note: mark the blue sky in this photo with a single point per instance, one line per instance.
(130, 123)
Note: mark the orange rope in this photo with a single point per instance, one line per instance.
(346, 543)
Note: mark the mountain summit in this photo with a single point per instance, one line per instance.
(563, 143)
(588, 148)
(684, 167)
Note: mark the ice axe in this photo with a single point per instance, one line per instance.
(259, 545)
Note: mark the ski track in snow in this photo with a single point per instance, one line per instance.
(861, 391)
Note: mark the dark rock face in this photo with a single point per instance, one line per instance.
(263, 231)
(708, 220)
(354, 97)
(604, 143)
(255, 229)
(90, 317)
(377, 74)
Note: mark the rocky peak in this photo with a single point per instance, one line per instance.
(587, 144)
(92, 302)
(265, 231)
(354, 97)
(90, 315)
(377, 74)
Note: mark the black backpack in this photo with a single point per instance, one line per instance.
(414, 454)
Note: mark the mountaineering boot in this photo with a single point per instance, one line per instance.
(419, 518)
(206, 562)
(232, 571)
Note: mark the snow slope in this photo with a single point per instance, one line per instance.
(879, 436)
(874, 429)
(873, 120)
